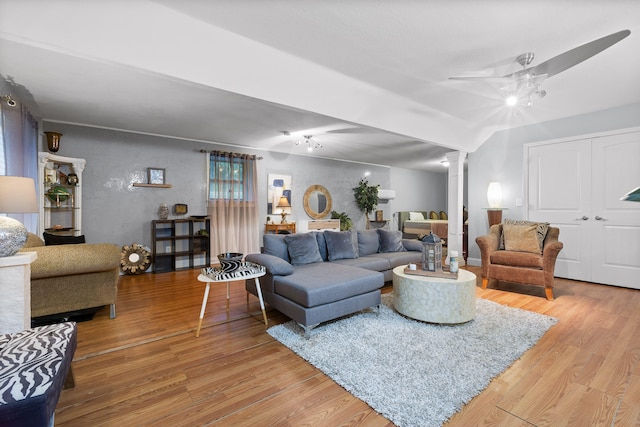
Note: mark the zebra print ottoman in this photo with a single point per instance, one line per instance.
(33, 367)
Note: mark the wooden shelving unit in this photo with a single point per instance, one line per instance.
(179, 244)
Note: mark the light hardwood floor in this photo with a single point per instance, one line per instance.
(146, 367)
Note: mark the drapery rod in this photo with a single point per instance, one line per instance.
(230, 154)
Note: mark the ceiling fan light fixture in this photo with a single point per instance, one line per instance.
(511, 100)
(311, 143)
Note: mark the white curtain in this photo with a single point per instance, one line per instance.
(232, 204)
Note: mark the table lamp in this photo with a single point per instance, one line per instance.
(17, 195)
(283, 204)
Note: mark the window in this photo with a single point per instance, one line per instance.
(228, 178)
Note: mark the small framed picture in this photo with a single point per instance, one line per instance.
(155, 176)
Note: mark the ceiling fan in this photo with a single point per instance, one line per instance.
(525, 83)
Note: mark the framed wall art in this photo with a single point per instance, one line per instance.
(155, 175)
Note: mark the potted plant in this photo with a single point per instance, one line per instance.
(345, 221)
(366, 197)
(268, 220)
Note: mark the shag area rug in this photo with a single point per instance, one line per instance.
(411, 372)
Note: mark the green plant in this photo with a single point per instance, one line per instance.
(366, 197)
(345, 221)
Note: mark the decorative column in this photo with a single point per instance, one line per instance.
(455, 201)
(15, 287)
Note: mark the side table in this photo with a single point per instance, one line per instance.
(275, 228)
(209, 281)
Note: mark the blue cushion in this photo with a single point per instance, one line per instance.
(341, 244)
(412, 244)
(275, 245)
(275, 266)
(303, 248)
(322, 244)
(368, 242)
(390, 241)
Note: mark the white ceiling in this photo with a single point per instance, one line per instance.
(368, 79)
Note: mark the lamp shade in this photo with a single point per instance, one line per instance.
(17, 195)
(283, 202)
(494, 194)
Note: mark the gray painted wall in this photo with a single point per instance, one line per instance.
(501, 159)
(115, 212)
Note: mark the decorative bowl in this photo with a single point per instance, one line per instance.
(58, 194)
(230, 261)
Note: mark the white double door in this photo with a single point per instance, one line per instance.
(576, 185)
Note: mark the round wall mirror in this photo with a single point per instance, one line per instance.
(317, 202)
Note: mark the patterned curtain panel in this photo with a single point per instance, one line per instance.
(233, 205)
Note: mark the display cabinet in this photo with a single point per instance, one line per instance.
(60, 193)
(179, 244)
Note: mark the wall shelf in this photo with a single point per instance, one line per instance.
(140, 184)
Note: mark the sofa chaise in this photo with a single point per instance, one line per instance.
(72, 277)
(319, 276)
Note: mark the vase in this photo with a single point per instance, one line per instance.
(53, 141)
(163, 211)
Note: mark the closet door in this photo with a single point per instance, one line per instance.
(559, 192)
(576, 186)
(616, 171)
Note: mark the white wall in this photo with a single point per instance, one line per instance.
(501, 159)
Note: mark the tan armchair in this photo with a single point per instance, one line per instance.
(519, 267)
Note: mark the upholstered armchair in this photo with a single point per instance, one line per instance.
(520, 255)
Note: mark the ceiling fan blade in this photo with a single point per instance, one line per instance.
(488, 79)
(575, 56)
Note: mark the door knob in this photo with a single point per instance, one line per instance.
(584, 218)
(599, 218)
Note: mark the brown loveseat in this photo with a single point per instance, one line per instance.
(66, 278)
(523, 265)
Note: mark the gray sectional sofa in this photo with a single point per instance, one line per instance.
(320, 276)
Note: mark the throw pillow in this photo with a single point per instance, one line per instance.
(521, 238)
(303, 248)
(390, 241)
(275, 266)
(416, 216)
(541, 229)
(341, 244)
(368, 242)
(54, 239)
(322, 244)
(275, 245)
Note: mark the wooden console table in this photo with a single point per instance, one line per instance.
(275, 228)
